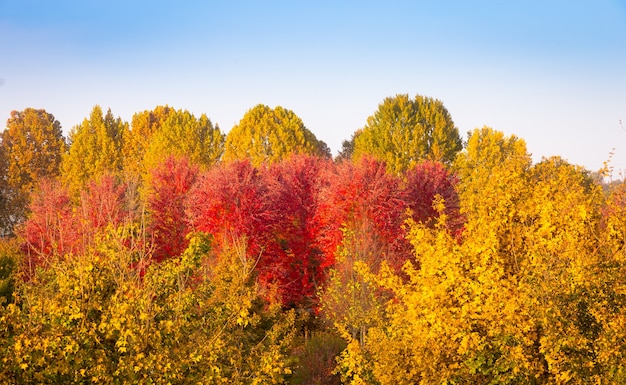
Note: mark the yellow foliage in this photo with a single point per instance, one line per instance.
(94, 316)
(533, 293)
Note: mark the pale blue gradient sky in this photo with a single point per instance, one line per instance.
(550, 72)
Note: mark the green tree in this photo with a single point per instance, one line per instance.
(32, 147)
(95, 149)
(268, 135)
(403, 131)
(181, 134)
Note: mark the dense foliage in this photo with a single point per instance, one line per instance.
(404, 131)
(156, 253)
(32, 147)
(265, 135)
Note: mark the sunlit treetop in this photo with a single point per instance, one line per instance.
(31, 149)
(404, 131)
(181, 134)
(95, 149)
(266, 135)
(143, 126)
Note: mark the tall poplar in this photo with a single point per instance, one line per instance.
(266, 135)
(404, 131)
(95, 149)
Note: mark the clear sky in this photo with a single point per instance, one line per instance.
(551, 72)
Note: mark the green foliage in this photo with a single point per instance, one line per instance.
(266, 135)
(316, 359)
(181, 134)
(10, 260)
(95, 149)
(403, 132)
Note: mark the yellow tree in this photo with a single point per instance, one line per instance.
(97, 317)
(610, 278)
(95, 149)
(566, 272)
(266, 135)
(460, 317)
(143, 126)
(32, 147)
(404, 131)
(492, 171)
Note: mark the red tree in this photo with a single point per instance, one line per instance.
(425, 181)
(298, 268)
(51, 231)
(102, 204)
(364, 199)
(171, 182)
(231, 202)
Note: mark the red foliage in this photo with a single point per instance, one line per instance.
(299, 266)
(368, 201)
(230, 202)
(275, 211)
(102, 203)
(51, 230)
(422, 184)
(170, 184)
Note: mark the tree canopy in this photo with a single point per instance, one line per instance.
(404, 131)
(487, 269)
(266, 135)
(31, 149)
(182, 134)
(95, 149)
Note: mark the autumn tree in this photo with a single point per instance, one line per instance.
(566, 271)
(426, 183)
(363, 198)
(52, 230)
(31, 149)
(168, 224)
(102, 204)
(404, 131)
(268, 135)
(231, 203)
(295, 187)
(143, 126)
(362, 216)
(493, 172)
(94, 318)
(95, 149)
(60, 226)
(531, 293)
(461, 317)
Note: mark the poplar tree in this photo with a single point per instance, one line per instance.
(95, 149)
(181, 134)
(142, 128)
(266, 135)
(404, 131)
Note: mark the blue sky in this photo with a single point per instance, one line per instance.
(550, 72)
